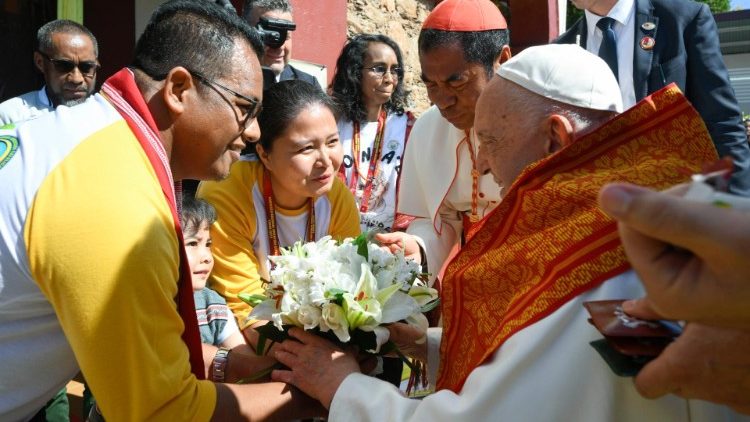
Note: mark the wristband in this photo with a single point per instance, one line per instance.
(219, 364)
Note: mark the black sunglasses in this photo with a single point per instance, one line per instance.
(87, 68)
(250, 111)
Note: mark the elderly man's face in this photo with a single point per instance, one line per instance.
(453, 84)
(68, 85)
(509, 138)
(211, 134)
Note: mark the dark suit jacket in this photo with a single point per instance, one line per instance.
(289, 72)
(687, 53)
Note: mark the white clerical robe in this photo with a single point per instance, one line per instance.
(435, 185)
(545, 372)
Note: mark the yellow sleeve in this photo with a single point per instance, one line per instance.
(102, 247)
(344, 212)
(235, 264)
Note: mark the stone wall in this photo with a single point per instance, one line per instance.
(400, 20)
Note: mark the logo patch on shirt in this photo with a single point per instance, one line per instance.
(8, 147)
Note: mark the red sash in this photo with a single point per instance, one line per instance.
(548, 241)
(122, 92)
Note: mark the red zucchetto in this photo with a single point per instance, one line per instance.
(465, 16)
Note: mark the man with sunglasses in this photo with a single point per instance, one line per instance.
(67, 57)
(94, 272)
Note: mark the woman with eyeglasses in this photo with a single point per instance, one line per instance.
(287, 191)
(368, 88)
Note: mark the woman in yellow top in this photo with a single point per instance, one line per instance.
(287, 191)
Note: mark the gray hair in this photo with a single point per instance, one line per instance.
(535, 108)
(44, 35)
(265, 5)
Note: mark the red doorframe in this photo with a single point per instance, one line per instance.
(113, 24)
(532, 22)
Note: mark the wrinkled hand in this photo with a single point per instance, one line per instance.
(704, 363)
(410, 340)
(316, 366)
(398, 241)
(707, 279)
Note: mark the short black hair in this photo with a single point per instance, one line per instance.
(346, 88)
(282, 103)
(195, 213)
(196, 34)
(480, 47)
(45, 33)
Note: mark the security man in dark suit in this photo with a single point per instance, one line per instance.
(652, 43)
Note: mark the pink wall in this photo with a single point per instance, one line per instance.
(321, 31)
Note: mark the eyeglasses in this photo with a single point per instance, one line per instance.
(379, 71)
(87, 68)
(250, 111)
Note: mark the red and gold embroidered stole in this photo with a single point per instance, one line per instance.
(122, 92)
(548, 241)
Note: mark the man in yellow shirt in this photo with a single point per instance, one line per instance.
(94, 271)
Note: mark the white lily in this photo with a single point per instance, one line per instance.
(333, 319)
(423, 294)
(381, 337)
(399, 306)
(331, 286)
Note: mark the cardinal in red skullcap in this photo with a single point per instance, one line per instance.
(444, 185)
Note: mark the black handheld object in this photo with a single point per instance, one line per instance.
(274, 31)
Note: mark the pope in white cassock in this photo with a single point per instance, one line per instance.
(515, 341)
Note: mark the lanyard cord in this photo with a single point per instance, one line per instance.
(273, 235)
(377, 149)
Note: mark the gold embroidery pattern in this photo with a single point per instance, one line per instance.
(548, 241)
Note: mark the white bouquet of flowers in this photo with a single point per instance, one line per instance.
(343, 291)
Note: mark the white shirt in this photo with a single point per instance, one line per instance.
(545, 372)
(436, 186)
(623, 13)
(25, 107)
(382, 204)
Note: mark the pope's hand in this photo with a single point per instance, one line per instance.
(316, 366)
(703, 363)
(693, 258)
(410, 340)
(397, 241)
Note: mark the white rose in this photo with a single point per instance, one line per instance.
(308, 316)
(334, 319)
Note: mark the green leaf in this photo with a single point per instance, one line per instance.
(364, 340)
(384, 294)
(270, 332)
(261, 348)
(406, 360)
(252, 300)
(361, 242)
(335, 296)
(430, 306)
